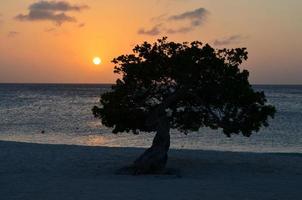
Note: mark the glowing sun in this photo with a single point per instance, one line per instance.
(97, 61)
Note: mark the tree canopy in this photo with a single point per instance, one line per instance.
(192, 85)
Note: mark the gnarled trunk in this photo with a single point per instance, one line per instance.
(154, 159)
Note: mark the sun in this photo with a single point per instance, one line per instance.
(97, 60)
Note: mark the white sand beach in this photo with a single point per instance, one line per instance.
(40, 171)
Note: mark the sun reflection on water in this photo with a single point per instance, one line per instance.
(96, 140)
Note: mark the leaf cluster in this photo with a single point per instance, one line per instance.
(192, 84)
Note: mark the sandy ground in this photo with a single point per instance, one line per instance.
(42, 172)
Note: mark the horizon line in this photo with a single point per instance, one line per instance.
(68, 83)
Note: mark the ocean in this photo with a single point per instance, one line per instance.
(61, 114)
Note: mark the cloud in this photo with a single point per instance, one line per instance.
(196, 17)
(158, 18)
(81, 25)
(228, 40)
(54, 11)
(38, 15)
(155, 30)
(49, 30)
(13, 34)
(191, 19)
(179, 30)
(56, 6)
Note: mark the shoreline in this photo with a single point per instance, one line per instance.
(45, 171)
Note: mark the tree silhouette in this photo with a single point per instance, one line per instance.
(184, 86)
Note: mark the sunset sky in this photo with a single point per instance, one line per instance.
(56, 41)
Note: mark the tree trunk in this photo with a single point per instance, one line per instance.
(154, 159)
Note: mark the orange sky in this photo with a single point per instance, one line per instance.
(35, 49)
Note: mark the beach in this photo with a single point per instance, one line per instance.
(45, 171)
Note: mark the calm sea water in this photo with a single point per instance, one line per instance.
(64, 113)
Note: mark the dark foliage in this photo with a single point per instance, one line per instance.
(192, 84)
